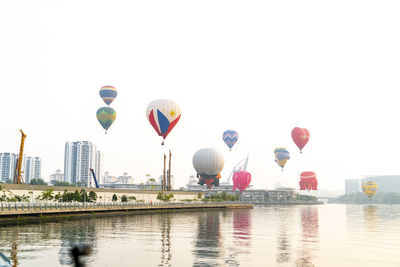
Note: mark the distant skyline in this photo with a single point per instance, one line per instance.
(259, 67)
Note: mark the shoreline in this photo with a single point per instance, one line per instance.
(12, 217)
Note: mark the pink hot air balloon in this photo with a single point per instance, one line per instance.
(241, 180)
(300, 137)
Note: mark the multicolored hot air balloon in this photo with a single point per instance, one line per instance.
(108, 93)
(281, 156)
(308, 181)
(241, 180)
(369, 188)
(163, 115)
(230, 138)
(106, 116)
(300, 137)
(208, 163)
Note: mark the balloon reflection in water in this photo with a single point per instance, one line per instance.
(165, 227)
(207, 244)
(309, 223)
(371, 218)
(283, 239)
(241, 225)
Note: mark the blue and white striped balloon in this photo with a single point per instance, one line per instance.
(230, 138)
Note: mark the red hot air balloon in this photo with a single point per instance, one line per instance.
(241, 180)
(300, 136)
(308, 181)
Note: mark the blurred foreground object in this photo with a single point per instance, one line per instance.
(4, 261)
(78, 251)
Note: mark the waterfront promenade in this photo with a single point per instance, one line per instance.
(9, 212)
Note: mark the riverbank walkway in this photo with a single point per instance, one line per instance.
(41, 209)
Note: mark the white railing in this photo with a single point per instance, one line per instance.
(37, 206)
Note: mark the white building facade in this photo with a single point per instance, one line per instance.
(58, 176)
(8, 163)
(32, 168)
(79, 158)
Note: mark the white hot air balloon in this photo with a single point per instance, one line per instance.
(208, 163)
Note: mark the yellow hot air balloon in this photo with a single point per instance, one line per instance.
(369, 188)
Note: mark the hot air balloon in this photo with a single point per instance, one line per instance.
(308, 181)
(300, 137)
(163, 115)
(108, 93)
(106, 116)
(230, 138)
(369, 188)
(281, 156)
(241, 180)
(208, 163)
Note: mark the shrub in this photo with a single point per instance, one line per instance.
(164, 197)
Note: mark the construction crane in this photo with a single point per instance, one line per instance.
(94, 177)
(18, 173)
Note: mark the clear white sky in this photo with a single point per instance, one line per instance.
(259, 67)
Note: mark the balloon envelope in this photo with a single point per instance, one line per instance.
(241, 180)
(163, 115)
(108, 93)
(369, 188)
(208, 163)
(281, 156)
(106, 116)
(230, 138)
(308, 181)
(300, 137)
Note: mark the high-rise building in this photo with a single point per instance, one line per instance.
(352, 186)
(32, 168)
(7, 166)
(98, 170)
(79, 157)
(386, 183)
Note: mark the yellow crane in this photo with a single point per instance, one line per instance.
(18, 172)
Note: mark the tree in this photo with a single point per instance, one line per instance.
(46, 195)
(58, 197)
(114, 197)
(199, 196)
(92, 196)
(84, 196)
(59, 183)
(37, 181)
(224, 195)
(124, 198)
(306, 197)
(76, 196)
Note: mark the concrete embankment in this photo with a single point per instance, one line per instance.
(103, 194)
(282, 203)
(13, 213)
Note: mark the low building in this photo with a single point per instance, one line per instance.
(58, 176)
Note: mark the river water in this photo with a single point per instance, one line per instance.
(320, 235)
